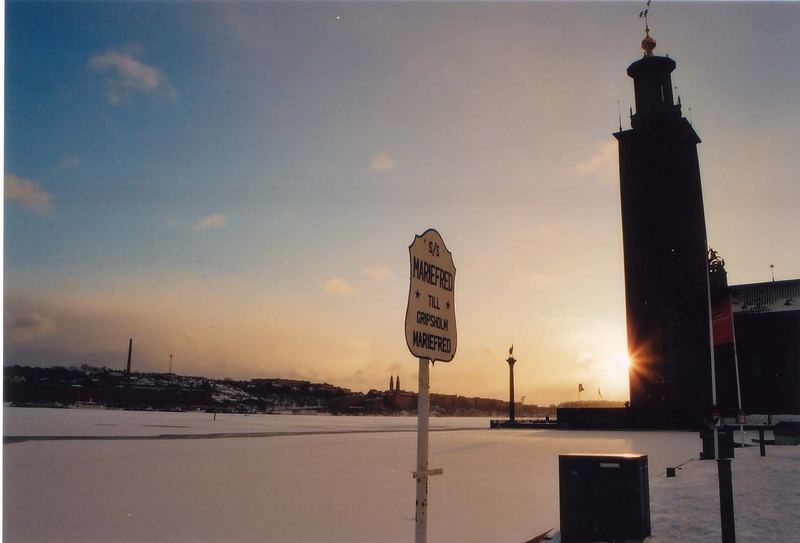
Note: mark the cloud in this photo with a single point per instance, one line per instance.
(378, 274)
(26, 193)
(338, 286)
(383, 162)
(602, 161)
(215, 220)
(535, 278)
(69, 162)
(587, 359)
(28, 327)
(128, 75)
(542, 279)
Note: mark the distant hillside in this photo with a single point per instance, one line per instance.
(88, 386)
(91, 386)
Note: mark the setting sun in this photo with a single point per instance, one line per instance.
(619, 363)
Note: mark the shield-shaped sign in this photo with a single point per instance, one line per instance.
(431, 312)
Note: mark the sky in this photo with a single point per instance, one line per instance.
(237, 184)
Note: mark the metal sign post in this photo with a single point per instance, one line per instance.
(421, 475)
(430, 336)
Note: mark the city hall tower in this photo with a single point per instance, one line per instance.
(664, 243)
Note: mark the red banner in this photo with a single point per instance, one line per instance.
(722, 319)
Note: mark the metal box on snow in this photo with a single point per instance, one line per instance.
(604, 497)
(724, 441)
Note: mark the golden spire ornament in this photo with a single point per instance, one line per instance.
(648, 43)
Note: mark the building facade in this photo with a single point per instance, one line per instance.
(766, 319)
(664, 244)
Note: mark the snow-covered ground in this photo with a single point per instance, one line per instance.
(309, 485)
(766, 499)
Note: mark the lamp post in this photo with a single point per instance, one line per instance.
(511, 361)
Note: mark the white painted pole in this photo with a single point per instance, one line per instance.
(423, 405)
(736, 366)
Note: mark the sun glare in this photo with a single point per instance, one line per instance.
(614, 378)
(620, 362)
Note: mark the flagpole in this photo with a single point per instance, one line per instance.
(724, 475)
(713, 365)
(736, 367)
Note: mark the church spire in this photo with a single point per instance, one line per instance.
(391, 383)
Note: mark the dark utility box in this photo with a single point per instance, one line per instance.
(725, 443)
(787, 433)
(604, 498)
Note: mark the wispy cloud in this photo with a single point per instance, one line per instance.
(27, 327)
(127, 75)
(383, 162)
(338, 286)
(215, 220)
(378, 274)
(602, 161)
(29, 194)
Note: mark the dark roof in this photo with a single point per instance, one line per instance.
(770, 297)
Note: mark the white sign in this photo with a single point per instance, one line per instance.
(431, 312)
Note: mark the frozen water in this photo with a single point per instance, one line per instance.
(498, 485)
(111, 422)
